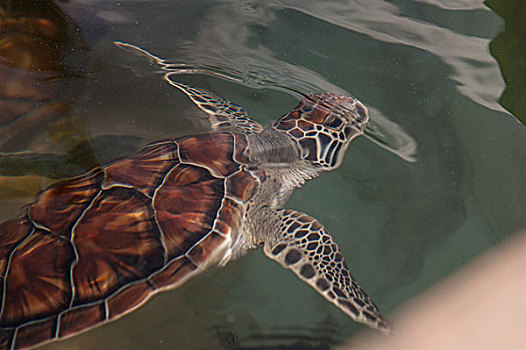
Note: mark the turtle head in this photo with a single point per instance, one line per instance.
(323, 125)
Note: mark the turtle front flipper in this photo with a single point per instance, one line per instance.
(304, 246)
(223, 114)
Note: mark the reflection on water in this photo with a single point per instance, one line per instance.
(509, 48)
(38, 63)
(422, 67)
(320, 337)
(410, 24)
(381, 130)
(37, 42)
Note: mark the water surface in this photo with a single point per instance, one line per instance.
(439, 179)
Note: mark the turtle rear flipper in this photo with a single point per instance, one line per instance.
(304, 246)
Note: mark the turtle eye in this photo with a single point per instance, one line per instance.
(332, 121)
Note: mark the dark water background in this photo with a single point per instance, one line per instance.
(448, 183)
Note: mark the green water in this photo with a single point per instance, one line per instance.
(448, 184)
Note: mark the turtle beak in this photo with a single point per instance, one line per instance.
(350, 108)
(356, 114)
(363, 115)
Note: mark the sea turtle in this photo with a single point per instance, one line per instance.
(92, 248)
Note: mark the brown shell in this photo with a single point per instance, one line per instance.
(93, 248)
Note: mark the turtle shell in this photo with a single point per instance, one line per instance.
(93, 248)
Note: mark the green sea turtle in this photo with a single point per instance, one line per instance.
(92, 248)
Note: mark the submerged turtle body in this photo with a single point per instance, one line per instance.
(123, 232)
(93, 248)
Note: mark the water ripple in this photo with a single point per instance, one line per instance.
(380, 130)
(474, 70)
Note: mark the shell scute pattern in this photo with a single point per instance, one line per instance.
(207, 152)
(186, 206)
(80, 318)
(242, 185)
(134, 250)
(128, 298)
(144, 171)
(34, 333)
(202, 251)
(49, 290)
(13, 232)
(230, 209)
(56, 207)
(106, 241)
(173, 273)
